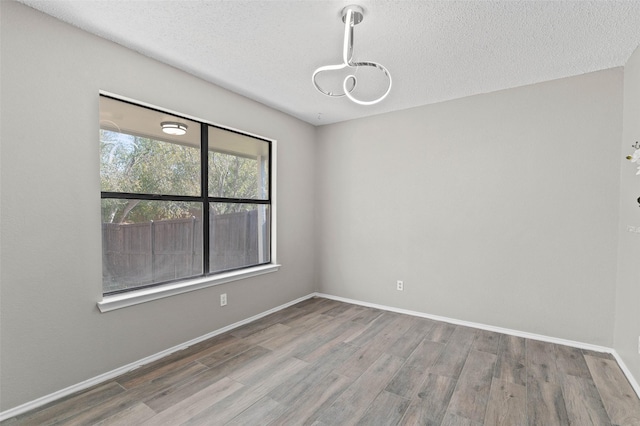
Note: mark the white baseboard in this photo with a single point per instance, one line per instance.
(16, 411)
(632, 381)
(526, 335)
(509, 331)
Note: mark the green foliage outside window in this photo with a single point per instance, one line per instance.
(135, 164)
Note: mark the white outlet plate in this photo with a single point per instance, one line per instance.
(399, 285)
(639, 344)
(223, 299)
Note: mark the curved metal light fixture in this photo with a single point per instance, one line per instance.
(352, 16)
(174, 128)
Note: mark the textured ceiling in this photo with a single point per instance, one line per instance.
(434, 50)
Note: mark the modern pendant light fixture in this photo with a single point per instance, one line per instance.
(174, 128)
(351, 16)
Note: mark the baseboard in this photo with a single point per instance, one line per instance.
(16, 411)
(632, 380)
(526, 335)
(481, 326)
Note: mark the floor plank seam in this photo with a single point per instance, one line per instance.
(339, 363)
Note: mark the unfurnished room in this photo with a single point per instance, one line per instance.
(294, 212)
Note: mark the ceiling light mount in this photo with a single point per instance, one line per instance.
(357, 13)
(174, 128)
(351, 16)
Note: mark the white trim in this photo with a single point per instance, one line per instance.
(273, 184)
(524, 334)
(16, 411)
(118, 301)
(21, 409)
(110, 303)
(480, 326)
(632, 380)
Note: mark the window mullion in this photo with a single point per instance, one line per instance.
(150, 197)
(238, 200)
(204, 193)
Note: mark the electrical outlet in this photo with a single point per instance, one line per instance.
(639, 344)
(223, 299)
(399, 285)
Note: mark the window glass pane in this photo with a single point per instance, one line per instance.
(239, 235)
(238, 165)
(159, 236)
(147, 242)
(136, 156)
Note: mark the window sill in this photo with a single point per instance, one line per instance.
(110, 303)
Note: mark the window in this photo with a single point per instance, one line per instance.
(179, 206)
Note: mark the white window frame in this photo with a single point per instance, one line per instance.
(143, 295)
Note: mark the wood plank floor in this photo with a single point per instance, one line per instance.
(323, 362)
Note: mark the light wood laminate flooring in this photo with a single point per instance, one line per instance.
(323, 362)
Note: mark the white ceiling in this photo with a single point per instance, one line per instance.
(434, 50)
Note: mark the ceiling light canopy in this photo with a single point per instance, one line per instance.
(174, 128)
(352, 16)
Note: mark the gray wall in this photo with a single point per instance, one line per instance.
(52, 333)
(508, 209)
(627, 314)
(500, 208)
